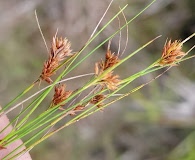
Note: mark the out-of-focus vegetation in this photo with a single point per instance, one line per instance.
(155, 123)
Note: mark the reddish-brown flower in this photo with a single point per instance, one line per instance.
(172, 53)
(79, 108)
(48, 69)
(60, 95)
(96, 99)
(59, 51)
(110, 60)
(110, 81)
(60, 48)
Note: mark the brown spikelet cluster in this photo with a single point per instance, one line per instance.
(109, 80)
(79, 108)
(59, 51)
(172, 52)
(96, 99)
(60, 95)
(110, 60)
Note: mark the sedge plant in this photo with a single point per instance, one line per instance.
(100, 90)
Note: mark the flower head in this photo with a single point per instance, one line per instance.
(48, 69)
(59, 51)
(78, 108)
(60, 48)
(60, 95)
(172, 52)
(96, 99)
(111, 81)
(110, 60)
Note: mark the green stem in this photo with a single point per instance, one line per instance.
(16, 98)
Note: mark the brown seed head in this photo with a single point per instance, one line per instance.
(48, 69)
(96, 99)
(77, 109)
(59, 51)
(60, 48)
(110, 81)
(110, 60)
(60, 95)
(171, 53)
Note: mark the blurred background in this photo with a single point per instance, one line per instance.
(155, 123)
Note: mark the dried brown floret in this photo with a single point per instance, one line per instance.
(172, 53)
(59, 51)
(96, 99)
(48, 69)
(110, 60)
(110, 81)
(60, 48)
(77, 109)
(60, 95)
